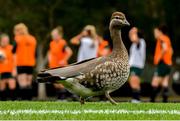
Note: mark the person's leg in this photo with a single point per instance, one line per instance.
(3, 89)
(135, 86)
(22, 81)
(29, 86)
(12, 88)
(3, 84)
(165, 92)
(60, 91)
(11, 83)
(29, 79)
(155, 87)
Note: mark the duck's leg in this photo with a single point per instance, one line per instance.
(109, 98)
(82, 100)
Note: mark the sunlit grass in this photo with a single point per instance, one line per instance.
(89, 111)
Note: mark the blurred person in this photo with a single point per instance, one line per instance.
(25, 51)
(88, 42)
(103, 48)
(6, 69)
(163, 63)
(137, 58)
(91, 45)
(58, 56)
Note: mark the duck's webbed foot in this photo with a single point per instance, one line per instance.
(109, 98)
(82, 100)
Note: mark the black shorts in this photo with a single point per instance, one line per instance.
(162, 69)
(6, 75)
(136, 71)
(25, 69)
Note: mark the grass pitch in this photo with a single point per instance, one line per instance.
(89, 111)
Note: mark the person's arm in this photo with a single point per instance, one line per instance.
(68, 53)
(14, 47)
(130, 51)
(105, 51)
(163, 50)
(143, 50)
(164, 47)
(76, 40)
(14, 72)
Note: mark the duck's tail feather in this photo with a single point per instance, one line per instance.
(47, 78)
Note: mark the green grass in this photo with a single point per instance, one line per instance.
(9, 110)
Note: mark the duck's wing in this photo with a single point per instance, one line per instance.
(76, 69)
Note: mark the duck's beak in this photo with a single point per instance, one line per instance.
(126, 23)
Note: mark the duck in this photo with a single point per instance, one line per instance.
(96, 76)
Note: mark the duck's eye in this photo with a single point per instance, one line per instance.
(118, 17)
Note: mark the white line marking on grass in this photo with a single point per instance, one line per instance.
(90, 111)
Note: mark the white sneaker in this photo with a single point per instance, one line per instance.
(135, 101)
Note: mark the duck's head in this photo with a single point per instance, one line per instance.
(118, 20)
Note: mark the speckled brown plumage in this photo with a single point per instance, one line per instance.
(97, 76)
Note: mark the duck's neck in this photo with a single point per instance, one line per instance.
(118, 44)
